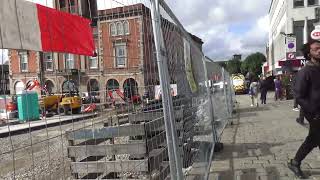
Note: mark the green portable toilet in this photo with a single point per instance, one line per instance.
(28, 106)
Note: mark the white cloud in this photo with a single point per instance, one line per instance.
(3, 56)
(256, 37)
(226, 26)
(218, 14)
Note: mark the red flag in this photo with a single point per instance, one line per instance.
(29, 26)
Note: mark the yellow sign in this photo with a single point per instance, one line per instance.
(188, 66)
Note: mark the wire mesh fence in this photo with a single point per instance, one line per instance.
(150, 105)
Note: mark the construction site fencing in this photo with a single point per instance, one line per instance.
(150, 105)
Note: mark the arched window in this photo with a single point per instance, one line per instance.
(93, 85)
(112, 84)
(69, 86)
(19, 87)
(119, 28)
(130, 88)
(113, 29)
(49, 87)
(126, 27)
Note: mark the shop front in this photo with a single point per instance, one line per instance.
(292, 66)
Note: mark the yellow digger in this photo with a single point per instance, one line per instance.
(50, 103)
(60, 104)
(70, 103)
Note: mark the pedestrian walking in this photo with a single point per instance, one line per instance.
(278, 89)
(263, 90)
(307, 92)
(253, 92)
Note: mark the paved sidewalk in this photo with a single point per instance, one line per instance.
(260, 142)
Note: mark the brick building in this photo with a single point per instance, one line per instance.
(125, 49)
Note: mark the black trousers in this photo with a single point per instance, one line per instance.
(301, 115)
(263, 96)
(311, 141)
(295, 104)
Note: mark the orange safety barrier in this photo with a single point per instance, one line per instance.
(32, 84)
(90, 108)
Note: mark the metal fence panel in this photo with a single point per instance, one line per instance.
(107, 117)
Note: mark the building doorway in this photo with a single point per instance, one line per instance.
(19, 87)
(93, 86)
(69, 86)
(49, 87)
(130, 88)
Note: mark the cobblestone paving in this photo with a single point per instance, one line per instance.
(260, 142)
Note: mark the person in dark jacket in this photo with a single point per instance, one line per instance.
(263, 90)
(307, 93)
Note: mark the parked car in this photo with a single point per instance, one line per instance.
(8, 114)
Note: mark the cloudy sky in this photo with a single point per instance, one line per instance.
(227, 27)
(3, 56)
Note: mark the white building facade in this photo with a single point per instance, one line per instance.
(288, 18)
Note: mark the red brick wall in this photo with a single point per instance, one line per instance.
(132, 41)
(106, 45)
(134, 48)
(33, 66)
(14, 62)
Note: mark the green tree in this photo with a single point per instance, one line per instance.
(223, 64)
(253, 64)
(234, 66)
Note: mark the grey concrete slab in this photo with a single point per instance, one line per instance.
(42, 123)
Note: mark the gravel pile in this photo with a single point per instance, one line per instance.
(45, 159)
